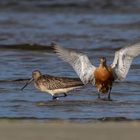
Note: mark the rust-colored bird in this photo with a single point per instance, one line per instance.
(102, 76)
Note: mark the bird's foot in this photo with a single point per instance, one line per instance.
(104, 98)
(109, 99)
(55, 98)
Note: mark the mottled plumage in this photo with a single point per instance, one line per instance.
(52, 82)
(54, 85)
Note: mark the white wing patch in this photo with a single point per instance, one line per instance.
(79, 62)
(123, 59)
(86, 70)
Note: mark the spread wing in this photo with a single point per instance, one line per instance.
(79, 62)
(123, 59)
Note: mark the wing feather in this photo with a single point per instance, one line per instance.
(123, 59)
(79, 62)
(53, 82)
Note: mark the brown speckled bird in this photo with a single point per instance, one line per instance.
(102, 76)
(54, 85)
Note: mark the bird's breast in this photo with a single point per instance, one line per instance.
(103, 74)
(103, 79)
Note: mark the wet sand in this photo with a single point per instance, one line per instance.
(62, 130)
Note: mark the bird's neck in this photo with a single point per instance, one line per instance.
(102, 65)
(36, 78)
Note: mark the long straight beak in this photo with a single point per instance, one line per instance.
(27, 83)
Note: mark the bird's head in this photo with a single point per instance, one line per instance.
(35, 75)
(103, 60)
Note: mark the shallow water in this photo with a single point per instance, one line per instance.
(93, 29)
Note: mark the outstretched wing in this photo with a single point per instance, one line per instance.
(123, 59)
(79, 62)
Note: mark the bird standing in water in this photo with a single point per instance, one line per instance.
(102, 76)
(54, 85)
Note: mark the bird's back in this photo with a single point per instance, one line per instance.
(53, 82)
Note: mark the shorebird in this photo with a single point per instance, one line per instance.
(54, 85)
(104, 75)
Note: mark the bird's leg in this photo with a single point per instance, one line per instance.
(98, 89)
(65, 94)
(109, 97)
(54, 97)
(99, 96)
(57, 97)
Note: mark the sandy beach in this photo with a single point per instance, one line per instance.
(62, 130)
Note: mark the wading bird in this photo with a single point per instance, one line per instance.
(102, 76)
(54, 85)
